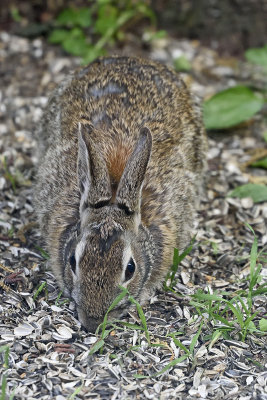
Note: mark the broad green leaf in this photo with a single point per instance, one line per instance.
(249, 321)
(58, 35)
(251, 326)
(75, 17)
(67, 16)
(231, 107)
(260, 163)
(263, 324)
(257, 192)
(257, 56)
(106, 19)
(83, 17)
(76, 43)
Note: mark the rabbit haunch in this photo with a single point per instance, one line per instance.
(122, 153)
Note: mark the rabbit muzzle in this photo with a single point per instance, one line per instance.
(89, 322)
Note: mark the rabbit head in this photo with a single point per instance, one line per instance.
(109, 246)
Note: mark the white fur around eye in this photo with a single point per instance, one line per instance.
(84, 195)
(127, 255)
(79, 253)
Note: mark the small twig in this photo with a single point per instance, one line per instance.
(13, 278)
(64, 348)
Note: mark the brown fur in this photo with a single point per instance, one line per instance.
(122, 153)
(116, 161)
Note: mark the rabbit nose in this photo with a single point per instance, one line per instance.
(90, 323)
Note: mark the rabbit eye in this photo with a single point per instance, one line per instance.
(72, 262)
(129, 270)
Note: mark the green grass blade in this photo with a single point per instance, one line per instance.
(262, 289)
(255, 277)
(238, 315)
(3, 387)
(39, 290)
(243, 305)
(215, 336)
(115, 302)
(205, 296)
(76, 391)
(43, 253)
(187, 250)
(166, 368)
(179, 344)
(220, 318)
(248, 320)
(171, 364)
(132, 326)
(142, 316)
(253, 257)
(11, 397)
(195, 339)
(97, 346)
(5, 349)
(177, 258)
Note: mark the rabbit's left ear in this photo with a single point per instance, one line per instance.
(92, 172)
(129, 190)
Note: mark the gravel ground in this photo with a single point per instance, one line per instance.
(49, 354)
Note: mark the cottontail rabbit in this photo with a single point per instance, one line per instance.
(122, 150)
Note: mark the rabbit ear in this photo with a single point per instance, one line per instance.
(129, 190)
(93, 177)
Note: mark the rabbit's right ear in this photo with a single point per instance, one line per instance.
(92, 172)
(129, 190)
